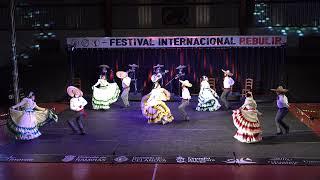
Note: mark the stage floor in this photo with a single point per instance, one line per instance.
(122, 135)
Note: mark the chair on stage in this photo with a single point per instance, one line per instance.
(76, 82)
(248, 86)
(212, 82)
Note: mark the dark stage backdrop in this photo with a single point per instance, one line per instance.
(264, 65)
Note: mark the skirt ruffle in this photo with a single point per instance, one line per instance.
(249, 129)
(247, 138)
(211, 105)
(21, 132)
(104, 96)
(159, 113)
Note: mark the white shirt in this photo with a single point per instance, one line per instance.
(77, 103)
(282, 101)
(185, 93)
(228, 82)
(126, 82)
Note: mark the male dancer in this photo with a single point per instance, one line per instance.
(77, 103)
(283, 105)
(185, 98)
(126, 80)
(227, 84)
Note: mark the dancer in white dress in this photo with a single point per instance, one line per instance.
(207, 97)
(104, 95)
(24, 123)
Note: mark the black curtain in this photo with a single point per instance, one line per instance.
(263, 65)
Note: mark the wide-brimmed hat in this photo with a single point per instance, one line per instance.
(205, 78)
(71, 90)
(156, 77)
(186, 83)
(227, 72)
(104, 66)
(280, 89)
(121, 74)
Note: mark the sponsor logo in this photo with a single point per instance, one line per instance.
(68, 158)
(72, 158)
(282, 161)
(149, 159)
(200, 160)
(85, 42)
(311, 162)
(121, 159)
(180, 159)
(15, 159)
(96, 42)
(239, 161)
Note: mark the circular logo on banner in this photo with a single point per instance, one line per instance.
(68, 158)
(75, 42)
(85, 42)
(121, 159)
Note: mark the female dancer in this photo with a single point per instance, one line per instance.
(246, 121)
(153, 106)
(104, 95)
(24, 124)
(207, 97)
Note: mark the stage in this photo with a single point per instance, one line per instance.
(122, 135)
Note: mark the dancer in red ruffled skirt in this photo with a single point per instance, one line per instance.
(247, 122)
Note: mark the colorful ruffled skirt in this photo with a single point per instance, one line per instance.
(158, 113)
(248, 125)
(25, 124)
(104, 96)
(207, 102)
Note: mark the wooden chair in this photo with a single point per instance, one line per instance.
(248, 86)
(212, 82)
(76, 82)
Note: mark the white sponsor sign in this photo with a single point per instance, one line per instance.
(240, 161)
(282, 161)
(72, 158)
(148, 159)
(16, 159)
(199, 160)
(177, 41)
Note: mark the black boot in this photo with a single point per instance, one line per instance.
(82, 131)
(73, 127)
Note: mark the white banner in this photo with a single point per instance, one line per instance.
(177, 41)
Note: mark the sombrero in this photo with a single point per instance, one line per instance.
(71, 90)
(227, 72)
(156, 77)
(280, 89)
(104, 66)
(186, 83)
(121, 74)
(205, 78)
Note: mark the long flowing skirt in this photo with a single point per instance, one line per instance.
(248, 125)
(158, 113)
(104, 96)
(207, 102)
(25, 125)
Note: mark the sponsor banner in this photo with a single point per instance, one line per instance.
(195, 160)
(177, 41)
(123, 159)
(87, 159)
